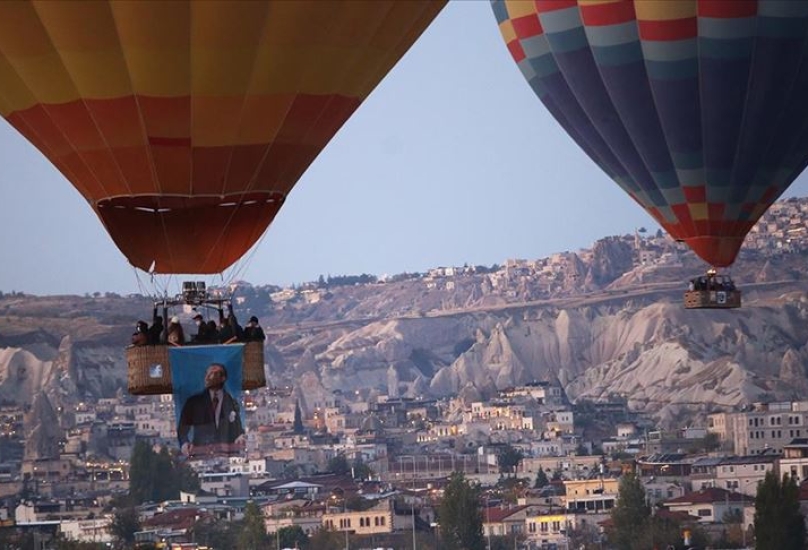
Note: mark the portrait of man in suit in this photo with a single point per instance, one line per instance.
(210, 421)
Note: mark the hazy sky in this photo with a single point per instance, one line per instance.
(451, 160)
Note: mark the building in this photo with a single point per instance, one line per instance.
(733, 473)
(768, 426)
(376, 520)
(794, 461)
(710, 505)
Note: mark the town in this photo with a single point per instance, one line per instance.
(544, 480)
(372, 466)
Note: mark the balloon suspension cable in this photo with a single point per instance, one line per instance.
(240, 266)
(157, 287)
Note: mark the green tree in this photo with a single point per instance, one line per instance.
(459, 515)
(253, 534)
(326, 539)
(166, 485)
(297, 427)
(125, 524)
(733, 536)
(217, 533)
(292, 537)
(778, 521)
(509, 458)
(361, 470)
(585, 537)
(64, 544)
(630, 516)
(339, 465)
(506, 542)
(159, 476)
(141, 478)
(541, 479)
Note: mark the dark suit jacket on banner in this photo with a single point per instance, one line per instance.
(198, 413)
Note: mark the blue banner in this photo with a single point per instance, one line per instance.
(207, 399)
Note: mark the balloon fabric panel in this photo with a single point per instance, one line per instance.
(185, 125)
(694, 107)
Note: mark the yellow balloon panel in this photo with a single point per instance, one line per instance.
(193, 117)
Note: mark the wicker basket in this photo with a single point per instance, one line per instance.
(149, 370)
(711, 299)
(252, 375)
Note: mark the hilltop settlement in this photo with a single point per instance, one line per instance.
(361, 440)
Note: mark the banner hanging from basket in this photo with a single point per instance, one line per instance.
(207, 399)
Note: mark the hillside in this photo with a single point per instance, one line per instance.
(601, 327)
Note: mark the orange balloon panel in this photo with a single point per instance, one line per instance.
(186, 124)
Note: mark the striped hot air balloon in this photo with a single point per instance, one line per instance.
(696, 108)
(186, 124)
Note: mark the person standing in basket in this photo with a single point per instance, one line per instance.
(253, 331)
(176, 336)
(214, 415)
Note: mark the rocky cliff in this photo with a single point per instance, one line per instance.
(597, 324)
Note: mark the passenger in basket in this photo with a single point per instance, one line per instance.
(212, 332)
(176, 336)
(156, 331)
(253, 331)
(213, 414)
(227, 334)
(202, 335)
(141, 335)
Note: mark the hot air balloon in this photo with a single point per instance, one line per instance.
(696, 108)
(186, 124)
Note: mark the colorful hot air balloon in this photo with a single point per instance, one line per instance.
(186, 124)
(696, 108)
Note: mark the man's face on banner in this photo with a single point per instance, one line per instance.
(215, 377)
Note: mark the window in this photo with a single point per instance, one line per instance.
(704, 513)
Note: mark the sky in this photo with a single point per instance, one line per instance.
(451, 160)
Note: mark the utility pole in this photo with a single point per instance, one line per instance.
(414, 544)
(488, 520)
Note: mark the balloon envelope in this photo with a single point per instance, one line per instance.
(696, 108)
(186, 124)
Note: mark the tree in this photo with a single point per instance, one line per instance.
(326, 539)
(509, 458)
(141, 478)
(339, 465)
(297, 427)
(733, 535)
(361, 470)
(253, 535)
(292, 537)
(217, 533)
(459, 515)
(630, 516)
(541, 479)
(125, 524)
(155, 477)
(507, 542)
(586, 536)
(778, 520)
(166, 486)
